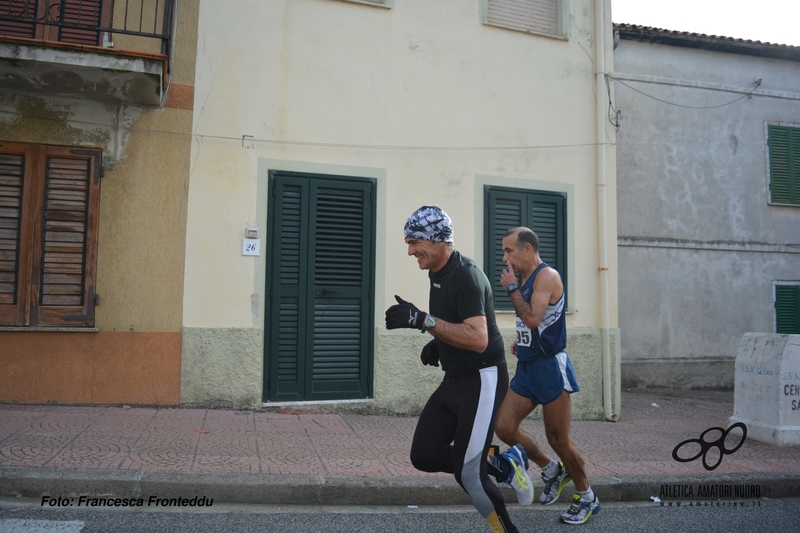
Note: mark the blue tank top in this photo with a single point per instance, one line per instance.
(550, 338)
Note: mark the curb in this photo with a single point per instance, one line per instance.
(20, 482)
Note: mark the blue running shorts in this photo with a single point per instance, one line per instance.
(543, 379)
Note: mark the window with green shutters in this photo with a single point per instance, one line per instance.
(787, 309)
(544, 212)
(784, 164)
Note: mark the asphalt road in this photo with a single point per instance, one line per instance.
(18, 516)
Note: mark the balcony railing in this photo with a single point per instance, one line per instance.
(111, 50)
(138, 25)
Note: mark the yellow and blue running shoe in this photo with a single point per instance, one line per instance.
(554, 485)
(519, 480)
(580, 511)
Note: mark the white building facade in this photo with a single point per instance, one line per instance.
(321, 125)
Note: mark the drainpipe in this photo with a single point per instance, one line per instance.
(599, 61)
(171, 56)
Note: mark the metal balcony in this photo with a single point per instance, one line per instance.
(109, 50)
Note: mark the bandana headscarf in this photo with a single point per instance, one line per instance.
(429, 223)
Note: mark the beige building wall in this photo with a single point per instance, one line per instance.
(133, 357)
(432, 104)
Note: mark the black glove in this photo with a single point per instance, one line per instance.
(430, 354)
(404, 315)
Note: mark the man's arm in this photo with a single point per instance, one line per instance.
(472, 334)
(546, 287)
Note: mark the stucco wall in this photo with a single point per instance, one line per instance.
(700, 247)
(222, 367)
(90, 368)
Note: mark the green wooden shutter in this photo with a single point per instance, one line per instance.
(544, 220)
(784, 164)
(542, 211)
(787, 309)
(321, 276)
(342, 273)
(288, 257)
(506, 210)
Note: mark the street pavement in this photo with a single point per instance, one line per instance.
(283, 457)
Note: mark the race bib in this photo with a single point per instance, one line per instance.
(524, 335)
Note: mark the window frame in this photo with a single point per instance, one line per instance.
(491, 233)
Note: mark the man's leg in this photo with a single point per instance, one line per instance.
(556, 416)
(585, 502)
(514, 409)
(477, 399)
(431, 447)
(554, 475)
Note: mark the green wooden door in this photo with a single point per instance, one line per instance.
(321, 249)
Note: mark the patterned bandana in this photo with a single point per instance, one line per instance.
(429, 223)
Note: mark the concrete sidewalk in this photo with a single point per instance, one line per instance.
(287, 458)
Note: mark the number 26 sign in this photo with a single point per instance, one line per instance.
(251, 246)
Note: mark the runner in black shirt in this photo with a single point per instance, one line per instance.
(456, 426)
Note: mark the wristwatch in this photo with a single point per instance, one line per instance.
(430, 322)
(511, 288)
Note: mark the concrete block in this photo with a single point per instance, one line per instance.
(767, 388)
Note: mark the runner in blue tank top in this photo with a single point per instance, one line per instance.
(544, 374)
(550, 337)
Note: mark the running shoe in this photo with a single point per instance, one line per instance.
(580, 511)
(553, 485)
(519, 480)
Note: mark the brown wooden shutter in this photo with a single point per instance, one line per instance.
(17, 170)
(84, 12)
(65, 238)
(16, 8)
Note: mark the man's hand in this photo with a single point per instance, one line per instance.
(430, 354)
(404, 315)
(514, 348)
(508, 277)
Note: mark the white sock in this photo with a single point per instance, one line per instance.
(587, 495)
(551, 470)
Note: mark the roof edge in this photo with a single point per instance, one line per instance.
(702, 41)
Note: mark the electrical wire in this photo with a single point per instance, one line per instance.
(201, 136)
(616, 114)
(747, 95)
